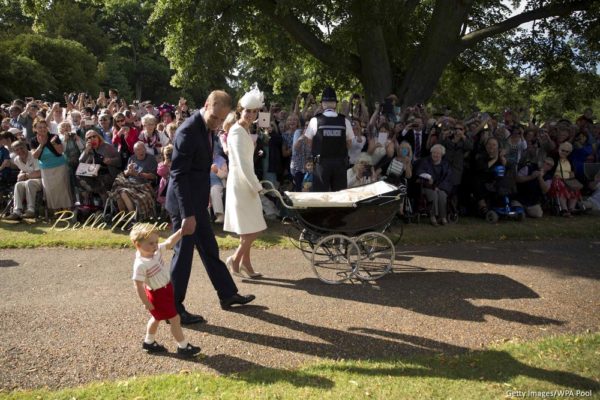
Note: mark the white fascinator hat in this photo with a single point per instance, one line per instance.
(253, 99)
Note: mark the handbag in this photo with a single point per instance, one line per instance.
(85, 169)
(573, 184)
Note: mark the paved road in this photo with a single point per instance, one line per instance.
(69, 317)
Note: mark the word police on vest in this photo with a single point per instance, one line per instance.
(332, 132)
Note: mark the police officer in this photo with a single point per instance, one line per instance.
(331, 136)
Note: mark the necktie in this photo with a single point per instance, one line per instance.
(418, 144)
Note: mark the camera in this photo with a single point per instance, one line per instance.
(367, 171)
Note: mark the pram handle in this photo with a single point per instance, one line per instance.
(270, 189)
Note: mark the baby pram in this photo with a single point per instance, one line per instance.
(342, 233)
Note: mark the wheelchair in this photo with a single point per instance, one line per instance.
(7, 202)
(420, 207)
(499, 204)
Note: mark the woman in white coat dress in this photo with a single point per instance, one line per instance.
(243, 209)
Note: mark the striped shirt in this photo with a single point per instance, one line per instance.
(154, 272)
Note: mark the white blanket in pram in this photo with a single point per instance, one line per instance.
(342, 198)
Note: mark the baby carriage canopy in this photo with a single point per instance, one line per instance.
(343, 198)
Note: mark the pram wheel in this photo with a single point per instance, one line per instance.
(335, 258)
(377, 255)
(491, 217)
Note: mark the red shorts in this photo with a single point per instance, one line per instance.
(163, 301)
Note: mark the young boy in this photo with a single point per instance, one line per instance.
(307, 181)
(153, 285)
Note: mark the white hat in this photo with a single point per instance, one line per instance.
(253, 99)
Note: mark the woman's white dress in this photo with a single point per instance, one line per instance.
(243, 209)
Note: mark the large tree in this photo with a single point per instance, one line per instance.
(401, 46)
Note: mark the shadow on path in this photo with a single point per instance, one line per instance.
(443, 294)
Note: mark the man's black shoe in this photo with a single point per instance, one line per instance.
(189, 319)
(189, 351)
(236, 299)
(153, 347)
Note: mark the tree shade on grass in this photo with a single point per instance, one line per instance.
(567, 366)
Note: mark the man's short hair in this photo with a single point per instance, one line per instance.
(219, 97)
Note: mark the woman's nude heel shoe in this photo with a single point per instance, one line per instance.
(252, 275)
(229, 264)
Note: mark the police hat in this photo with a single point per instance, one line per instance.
(329, 94)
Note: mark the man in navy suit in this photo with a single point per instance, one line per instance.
(187, 202)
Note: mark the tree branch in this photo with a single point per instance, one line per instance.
(553, 10)
(303, 35)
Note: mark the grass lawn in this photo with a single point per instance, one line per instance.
(567, 365)
(40, 234)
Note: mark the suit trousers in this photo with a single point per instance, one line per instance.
(330, 175)
(203, 239)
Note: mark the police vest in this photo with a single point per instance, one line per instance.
(330, 139)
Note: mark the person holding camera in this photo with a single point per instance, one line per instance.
(124, 138)
(330, 135)
(97, 151)
(357, 108)
(415, 133)
(362, 173)
(73, 146)
(457, 145)
(48, 150)
(26, 118)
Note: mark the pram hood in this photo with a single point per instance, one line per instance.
(343, 198)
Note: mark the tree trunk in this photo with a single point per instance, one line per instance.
(376, 72)
(422, 78)
(440, 46)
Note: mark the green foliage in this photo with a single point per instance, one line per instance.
(12, 19)
(36, 64)
(149, 48)
(75, 21)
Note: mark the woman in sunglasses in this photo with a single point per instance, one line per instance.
(124, 137)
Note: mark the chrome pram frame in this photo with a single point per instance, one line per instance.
(344, 241)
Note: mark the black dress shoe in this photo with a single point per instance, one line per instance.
(236, 299)
(189, 319)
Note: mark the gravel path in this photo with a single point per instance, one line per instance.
(68, 317)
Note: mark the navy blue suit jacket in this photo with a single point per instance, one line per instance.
(189, 181)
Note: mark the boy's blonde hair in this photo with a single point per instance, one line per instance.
(141, 232)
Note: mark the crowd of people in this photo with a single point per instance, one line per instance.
(89, 151)
(147, 159)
